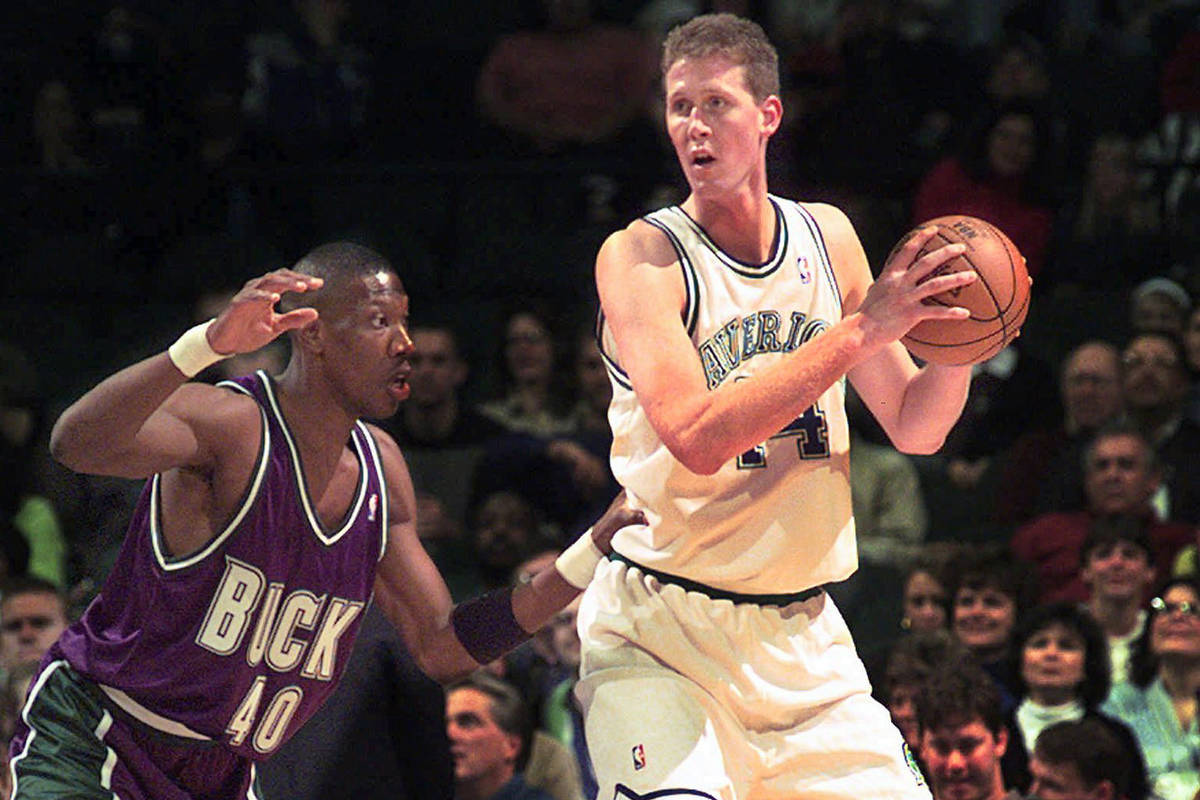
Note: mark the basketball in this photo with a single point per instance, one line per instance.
(998, 300)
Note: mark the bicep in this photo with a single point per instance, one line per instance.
(182, 432)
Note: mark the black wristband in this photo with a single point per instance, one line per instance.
(486, 627)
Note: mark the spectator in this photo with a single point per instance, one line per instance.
(1121, 475)
(1083, 759)
(1155, 387)
(33, 612)
(1118, 569)
(572, 85)
(1191, 342)
(535, 398)
(1042, 469)
(997, 177)
(489, 734)
(308, 88)
(507, 530)
(963, 736)
(910, 663)
(1159, 700)
(562, 717)
(1064, 673)
(1159, 305)
(1108, 237)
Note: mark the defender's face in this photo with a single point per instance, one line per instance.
(717, 128)
(368, 345)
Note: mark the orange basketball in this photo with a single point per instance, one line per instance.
(998, 300)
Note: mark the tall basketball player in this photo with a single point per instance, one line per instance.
(271, 516)
(714, 664)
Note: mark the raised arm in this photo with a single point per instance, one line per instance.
(143, 419)
(450, 641)
(642, 294)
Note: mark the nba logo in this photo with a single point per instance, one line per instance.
(372, 507)
(639, 757)
(802, 269)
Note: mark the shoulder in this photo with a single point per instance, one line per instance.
(390, 457)
(640, 242)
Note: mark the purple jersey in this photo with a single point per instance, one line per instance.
(243, 640)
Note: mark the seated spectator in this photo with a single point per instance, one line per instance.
(999, 176)
(1155, 387)
(1159, 700)
(1118, 569)
(1083, 759)
(1064, 672)
(573, 84)
(534, 398)
(507, 530)
(1041, 471)
(963, 736)
(1109, 235)
(489, 734)
(910, 663)
(33, 612)
(1121, 475)
(307, 89)
(1159, 305)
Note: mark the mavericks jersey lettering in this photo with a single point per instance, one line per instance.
(777, 518)
(242, 641)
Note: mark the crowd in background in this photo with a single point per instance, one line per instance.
(160, 154)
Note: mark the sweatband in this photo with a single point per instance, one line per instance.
(191, 352)
(578, 562)
(486, 627)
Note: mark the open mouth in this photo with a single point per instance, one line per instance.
(702, 160)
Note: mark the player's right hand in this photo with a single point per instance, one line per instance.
(616, 516)
(250, 321)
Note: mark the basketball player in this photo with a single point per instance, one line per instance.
(271, 517)
(714, 664)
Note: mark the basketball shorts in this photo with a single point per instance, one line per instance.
(687, 696)
(70, 743)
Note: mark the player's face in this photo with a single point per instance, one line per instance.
(1175, 629)
(1091, 387)
(29, 623)
(437, 371)
(1118, 478)
(368, 345)
(1052, 663)
(983, 618)
(964, 761)
(717, 128)
(1060, 782)
(924, 603)
(1118, 571)
(478, 746)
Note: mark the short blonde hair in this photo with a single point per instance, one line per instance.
(740, 40)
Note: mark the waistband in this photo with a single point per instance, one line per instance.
(720, 594)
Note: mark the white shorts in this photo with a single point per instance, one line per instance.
(690, 697)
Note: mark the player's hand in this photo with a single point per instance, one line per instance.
(618, 515)
(250, 321)
(895, 302)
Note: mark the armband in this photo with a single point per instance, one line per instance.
(578, 562)
(191, 352)
(486, 626)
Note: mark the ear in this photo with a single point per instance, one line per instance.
(461, 371)
(1104, 790)
(771, 110)
(512, 747)
(311, 336)
(1001, 742)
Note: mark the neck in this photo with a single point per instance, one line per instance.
(433, 421)
(1050, 697)
(742, 223)
(314, 414)
(1151, 421)
(482, 787)
(1180, 676)
(531, 396)
(1116, 616)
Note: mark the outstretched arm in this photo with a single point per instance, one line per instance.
(143, 420)
(449, 642)
(642, 294)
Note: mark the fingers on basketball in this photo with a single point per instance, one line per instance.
(997, 301)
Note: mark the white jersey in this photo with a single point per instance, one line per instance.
(776, 519)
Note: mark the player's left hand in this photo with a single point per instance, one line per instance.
(618, 515)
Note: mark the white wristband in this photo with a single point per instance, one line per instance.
(578, 562)
(191, 352)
